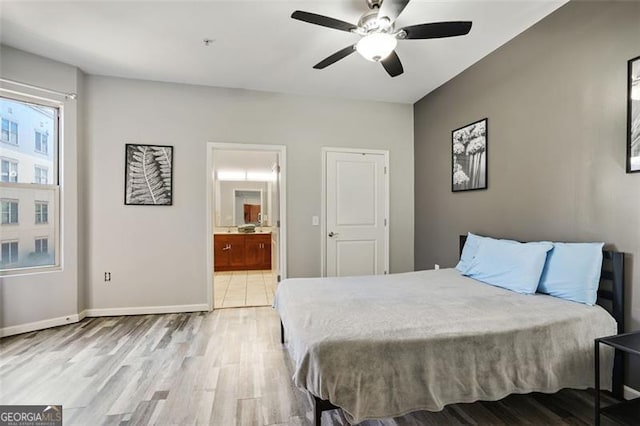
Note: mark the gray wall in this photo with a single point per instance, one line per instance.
(50, 298)
(157, 255)
(556, 101)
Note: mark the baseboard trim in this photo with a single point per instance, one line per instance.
(145, 310)
(630, 393)
(38, 325)
(107, 312)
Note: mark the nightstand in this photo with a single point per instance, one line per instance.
(625, 412)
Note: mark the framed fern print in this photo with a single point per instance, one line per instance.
(148, 175)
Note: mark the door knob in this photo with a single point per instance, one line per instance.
(333, 234)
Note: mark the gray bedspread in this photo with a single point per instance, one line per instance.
(383, 346)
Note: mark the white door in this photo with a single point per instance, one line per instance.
(356, 237)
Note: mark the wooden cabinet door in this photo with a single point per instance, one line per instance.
(252, 252)
(221, 253)
(266, 251)
(251, 213)
(237, 256)
(228, 252)
(258, 251)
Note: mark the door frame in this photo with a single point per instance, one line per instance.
(281, 150)
(323, 203)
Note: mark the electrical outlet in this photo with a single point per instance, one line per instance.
(437, 266)
(107, 276)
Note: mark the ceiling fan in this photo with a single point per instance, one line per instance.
(379, 36)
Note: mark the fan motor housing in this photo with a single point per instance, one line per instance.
(369, 22)
(374, 4)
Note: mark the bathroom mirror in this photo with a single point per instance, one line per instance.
(241, 203)
(248, 206)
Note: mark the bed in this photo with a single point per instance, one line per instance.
(384, 346)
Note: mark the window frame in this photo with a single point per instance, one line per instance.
(40, 203)
(11, 241)
(11, 201)
(45, 136)
(35, 245)
(11, 161)
(44, 169)
(55, 208)
(10, 121)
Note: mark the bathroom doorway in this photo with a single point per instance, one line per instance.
(246, 225)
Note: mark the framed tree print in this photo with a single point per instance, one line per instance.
(469, 157)
(633, 116)
(148, 176)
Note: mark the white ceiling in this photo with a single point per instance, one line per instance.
(257, 45)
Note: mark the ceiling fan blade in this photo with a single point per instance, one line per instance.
(322, 20)
(392, 64)
(437, 30)
(340, 54)
(392, 9)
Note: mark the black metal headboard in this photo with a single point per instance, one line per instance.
(611, 298)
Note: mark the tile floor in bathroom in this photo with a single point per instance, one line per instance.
(234, 289)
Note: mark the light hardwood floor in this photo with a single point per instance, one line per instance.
(222, 368)
(235, 289)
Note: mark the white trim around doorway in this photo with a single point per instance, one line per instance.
(282, 255)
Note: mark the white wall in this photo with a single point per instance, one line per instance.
(51, 297)
(157, 254)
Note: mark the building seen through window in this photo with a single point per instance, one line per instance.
(29, 191)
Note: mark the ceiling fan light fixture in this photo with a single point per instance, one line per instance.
(378, 33)
(376, 46)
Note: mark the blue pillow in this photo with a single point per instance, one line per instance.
(572, 272)
(469, 251)
(509, 264)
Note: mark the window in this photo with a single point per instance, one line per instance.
(42, 212)
(9, 170)
(29, 184)
(41, 142)
(41, 175)
(42, 245)
(9, 252)
(9, 212)
(9, 131)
